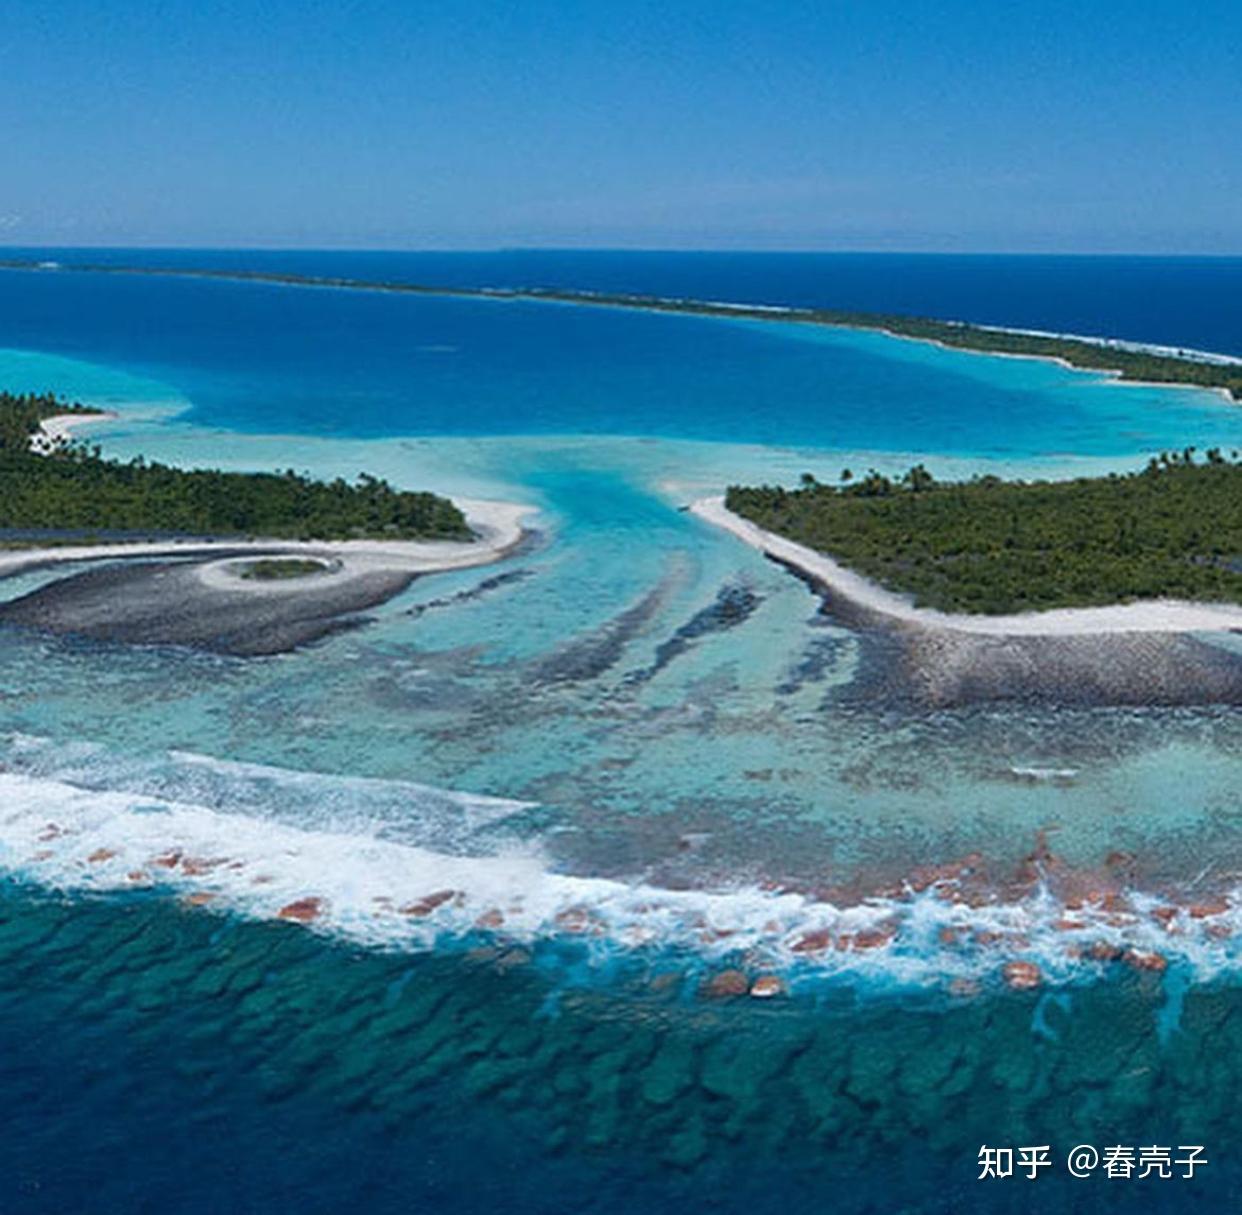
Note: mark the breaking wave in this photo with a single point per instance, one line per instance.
(406, 866)
(394, 810)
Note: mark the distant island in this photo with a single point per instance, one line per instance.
(988, 546)
(57, 485)
(1131, 361)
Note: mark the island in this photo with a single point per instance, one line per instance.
(1099, 590)
(1171, 531)
(1137, 362)
(48, 482)
(241, 563)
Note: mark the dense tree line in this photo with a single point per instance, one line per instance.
(987, 545)
(1142, 366)
(76, 489)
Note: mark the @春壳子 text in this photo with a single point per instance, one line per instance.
(1117, 1162)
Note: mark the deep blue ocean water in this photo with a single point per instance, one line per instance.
(662, 709)
(272, 359)
(1179, 301)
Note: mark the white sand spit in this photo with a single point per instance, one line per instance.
(1149, 616)
(498, 526)
(57, 429)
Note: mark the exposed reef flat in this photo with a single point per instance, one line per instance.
(203, 595)
(1130, 654)
(946, 668)
(168, 603)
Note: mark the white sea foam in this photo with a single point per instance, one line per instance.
(399, 810)
(1033, 772)
(359, 885)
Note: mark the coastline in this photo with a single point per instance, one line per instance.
(206, 591)
(891, 326)
(203, 594)
(497, 525)
(1111, 375)
(1154, 616)
(59, 428)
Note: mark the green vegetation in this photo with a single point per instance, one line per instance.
(75, 488)
(987, 545)
(22, 413)
(1130, 363)
(275, 569)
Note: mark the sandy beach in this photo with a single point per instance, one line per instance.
(196, 593)
(498, 526)
(58, 429)
(1111, 375)
(1156, 616)
(201, 592)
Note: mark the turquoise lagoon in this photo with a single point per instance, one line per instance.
(641, 744)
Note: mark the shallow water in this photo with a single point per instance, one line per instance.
(639, 757)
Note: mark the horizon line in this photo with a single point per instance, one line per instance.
(631, 249)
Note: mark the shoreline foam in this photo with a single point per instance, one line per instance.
(354, 881)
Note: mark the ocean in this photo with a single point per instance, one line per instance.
(641, 760)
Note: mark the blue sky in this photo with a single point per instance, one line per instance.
(1088, 126)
